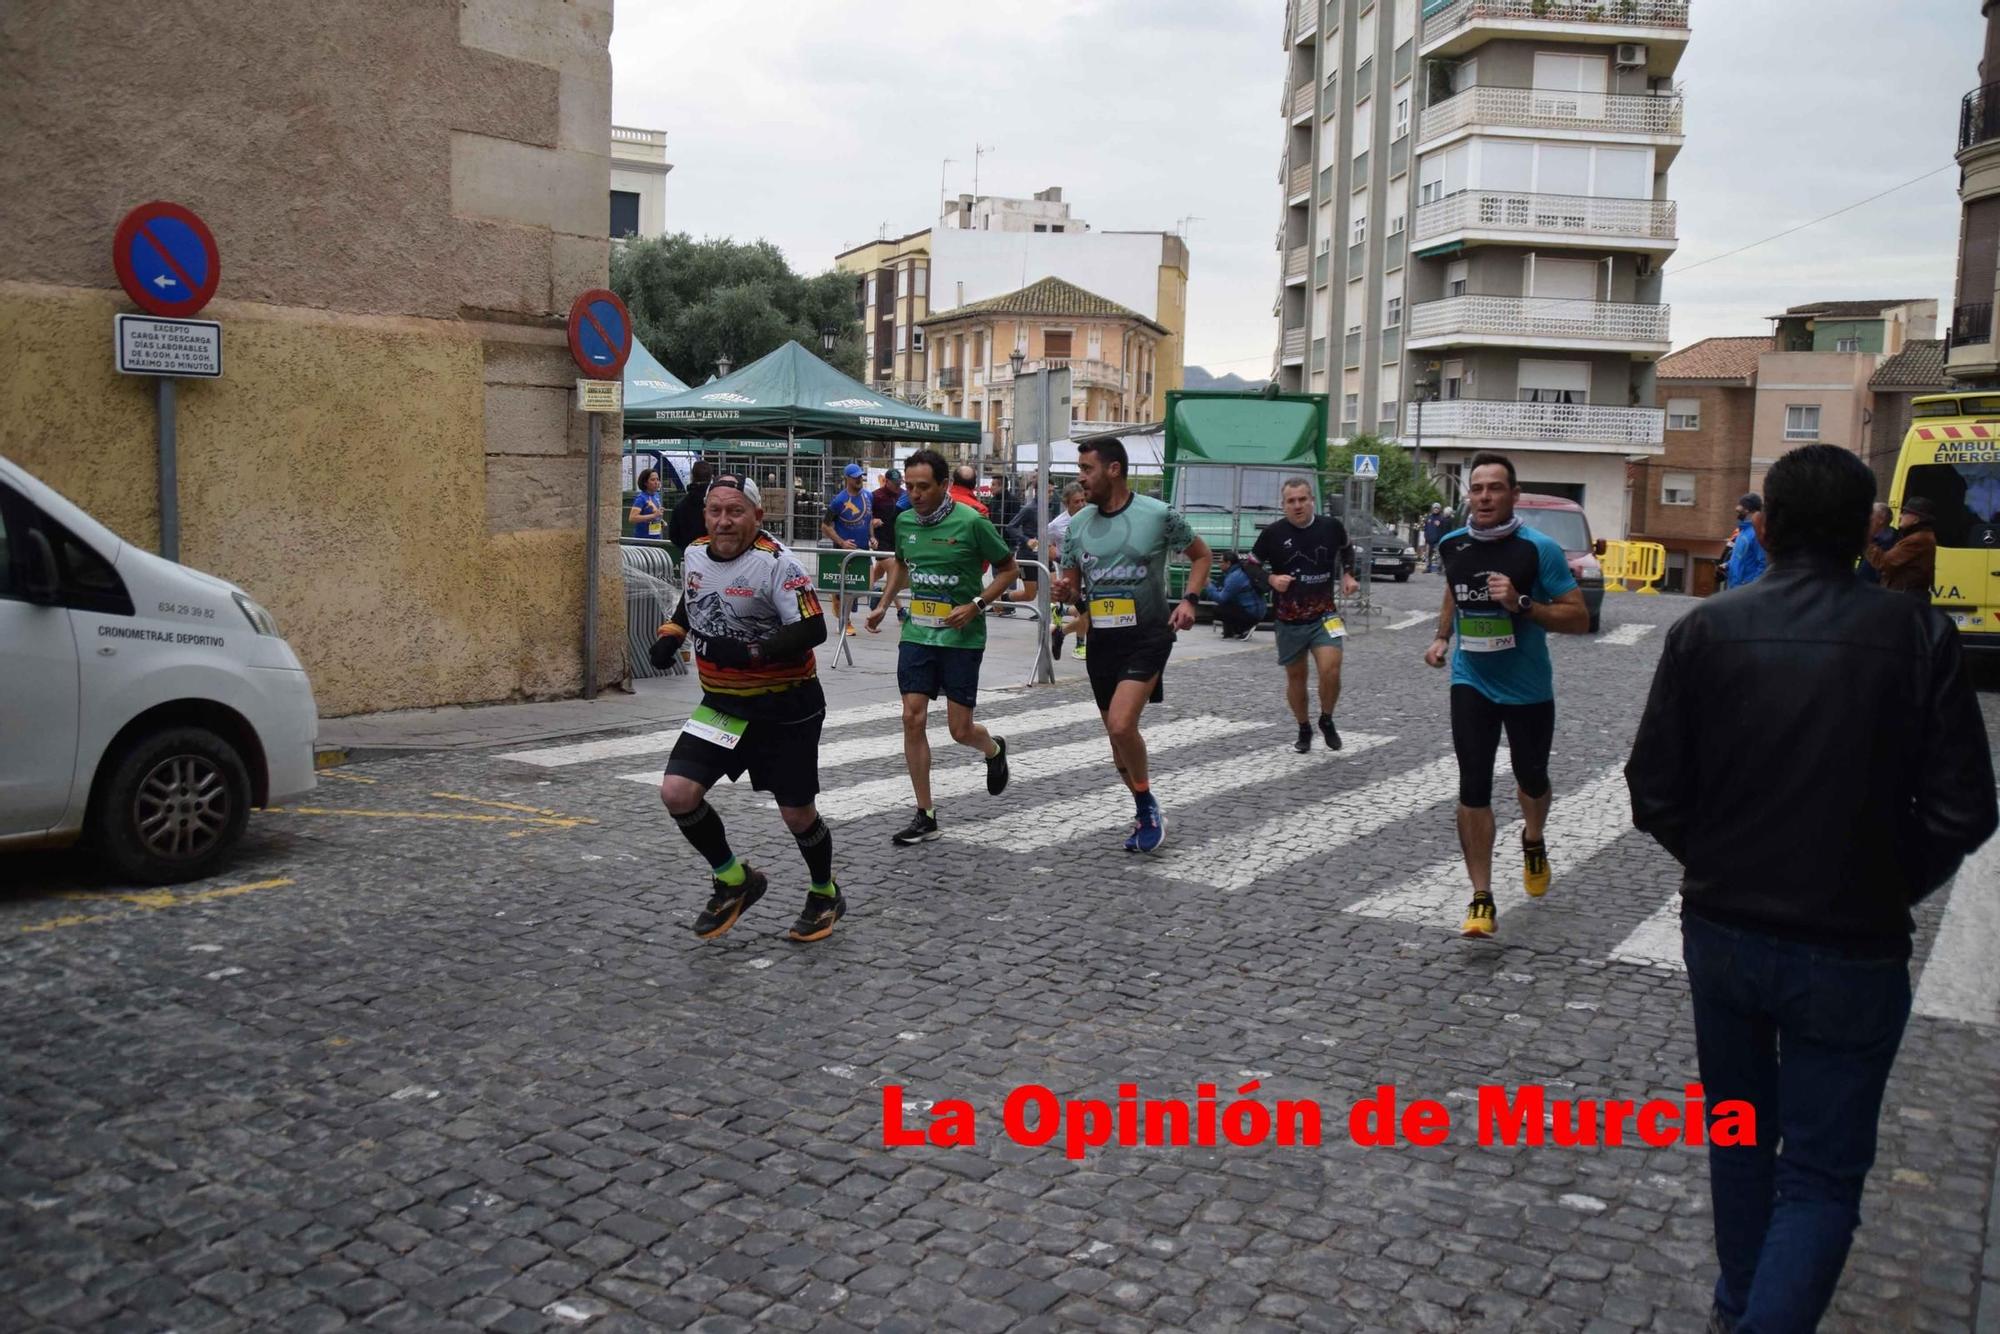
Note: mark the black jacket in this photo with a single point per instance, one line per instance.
(1813, 756)
(688, 521)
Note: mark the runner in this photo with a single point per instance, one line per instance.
(750, 615)
(1505, 587)
(850, 525)
(1302, 553)
(941, 548)
(1117, 548)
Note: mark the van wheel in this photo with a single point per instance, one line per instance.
(176, 802)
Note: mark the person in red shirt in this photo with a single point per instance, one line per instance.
(964, 488)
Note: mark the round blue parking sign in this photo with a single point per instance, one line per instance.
(600, 334)
(166, 259)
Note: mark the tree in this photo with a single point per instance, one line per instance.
(1401, 491)
(695, 301)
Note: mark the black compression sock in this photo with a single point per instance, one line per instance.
(816, 845)
(702, 828)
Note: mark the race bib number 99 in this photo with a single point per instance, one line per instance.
(1113, 613)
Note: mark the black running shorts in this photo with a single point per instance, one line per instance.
(1138, 654)
(781, 758)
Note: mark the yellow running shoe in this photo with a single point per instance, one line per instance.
(1480, 920)
(1534, 868)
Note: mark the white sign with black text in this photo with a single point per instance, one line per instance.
(151, 345)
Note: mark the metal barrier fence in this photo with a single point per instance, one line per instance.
(854, 585)
(652, 592)
(1642, 563)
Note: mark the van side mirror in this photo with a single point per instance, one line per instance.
(39, 579)
(1598, 547)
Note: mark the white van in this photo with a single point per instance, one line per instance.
(144, 707)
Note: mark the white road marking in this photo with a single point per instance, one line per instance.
(1959, 980)
(1237, 860)
(1655, 941)
(1581, 824)
(863, 799)
(890, 744)
(1106, 807)
(1624, 636)
(1414, 618)
(659, 743)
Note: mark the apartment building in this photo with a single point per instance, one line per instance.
(1972, 359)
(1813, 385)
(1111, 351)
(894, 279)
(1917, 369)
(1474, 214)
(639, 170)
(1685, 498)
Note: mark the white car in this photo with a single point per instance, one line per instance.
(146, 707)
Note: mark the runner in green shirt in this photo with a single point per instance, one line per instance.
(1116, 550)
(942, 547)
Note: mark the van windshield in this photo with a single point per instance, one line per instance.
(1213, 487)
(1965, 497)
(1566, 527)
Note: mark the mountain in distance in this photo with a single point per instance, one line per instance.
(1194, 377)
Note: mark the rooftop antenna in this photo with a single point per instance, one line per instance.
(1187, 224)
(978, 151)
(948, 162)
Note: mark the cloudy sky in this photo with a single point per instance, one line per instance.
(814, 123)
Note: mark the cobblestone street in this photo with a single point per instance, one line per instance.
(438, 1051)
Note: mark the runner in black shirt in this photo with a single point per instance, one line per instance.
(1301, 553)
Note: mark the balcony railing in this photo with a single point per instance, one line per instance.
(1548, 109)
(1539, 317)
(1082, 371)
(1295, 343)
(1972, 324)
(1305, 19)
(1296, 261)
(1571, 215)
(1979, 116)
(1672, 14)
(951, 377)
(1301, 181)
(1302, 101)
(1555, 423)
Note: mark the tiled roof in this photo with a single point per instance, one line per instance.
(1850, 310)
(1050, 296)
(1920, 365)
(1715, 359)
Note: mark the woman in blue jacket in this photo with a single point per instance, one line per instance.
(1238, 604)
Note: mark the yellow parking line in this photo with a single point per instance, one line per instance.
(538, 821)
(345, 778)
(151, 900)
(569, 821)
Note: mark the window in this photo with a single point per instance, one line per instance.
(1570, 279)
(1677, 488)
(1441, 175)
(1553, 382)
(1402, 113)
(1966, 497)
(1453, 380)
(1041, 226)
(1364, 127)
(1388, 415)
(916, 340)
(624, 213)
(1350, 409)
(1683, 414)
(1847, 344)
(871, 290)
(868, 351)
(1396, 225)
(902, 338)
(1392, 314)
(1455, 278)
(902, 282)
(1056, 343)
(923, 280)
(1359, 231)
(1802, 421)
(1569, 85)
(1058, 227)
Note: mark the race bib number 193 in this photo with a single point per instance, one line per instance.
(1485, 634)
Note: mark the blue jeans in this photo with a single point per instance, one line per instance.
(1806, 1036)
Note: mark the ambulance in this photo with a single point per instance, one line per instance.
(1951, 457)
(146, 706)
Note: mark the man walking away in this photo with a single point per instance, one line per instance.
(849, 525)
(1238, 604)
(1910, 563)
(1799, 872)
(941, 549)
(1303, 553)
(1746, 553)
(752, 619)
(690, 520)
(1434, 529)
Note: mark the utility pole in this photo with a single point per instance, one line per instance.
(978, 151)
(941, 171)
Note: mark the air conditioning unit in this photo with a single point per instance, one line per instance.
(1631, 55)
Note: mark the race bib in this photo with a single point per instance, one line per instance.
(929, 613)
(1334, 626)
(1485, 634)
(715, 727)
(1113, 613)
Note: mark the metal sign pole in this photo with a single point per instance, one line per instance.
(592, 486)
(1045, 670)
(170, 480)
(791, 481)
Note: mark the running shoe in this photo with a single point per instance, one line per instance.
(727, 903)
(816, 919)
(850, 628)
(1150, 829)
(1480, 920)
(1055, 645)
(922, 829)
(1081, 651)
(1329, 731)
(996, 769)
(1535, 868)
(1304, 744)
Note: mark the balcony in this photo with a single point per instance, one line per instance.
(1293, 349)
(1465, 24)
(1972, 324)
(1303, 102)
(1300, 183)
(1083, 372)
(1581, 427)
(1296, 263)
(1477, 216)
(1305, 20)
(1979, 117)
(951, 377)
(1536, 321)
(1647, 119)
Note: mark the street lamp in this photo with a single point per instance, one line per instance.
(827, 337)
(723, 365)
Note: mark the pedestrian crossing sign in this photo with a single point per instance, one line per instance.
(1367, 465)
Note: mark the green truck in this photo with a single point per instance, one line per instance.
(1226, 457)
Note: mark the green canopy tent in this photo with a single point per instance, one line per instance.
(791, 394)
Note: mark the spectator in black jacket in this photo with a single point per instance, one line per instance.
(1867, 782)
(689, 521)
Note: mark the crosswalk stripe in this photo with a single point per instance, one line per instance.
(881, 794)
(1581, 824)
(1655, 941)
(659, 743)
(1414, 618)
(1624, 636)
(1959, 981)
(1237, 860)
(885, 745)
(1108, 808)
